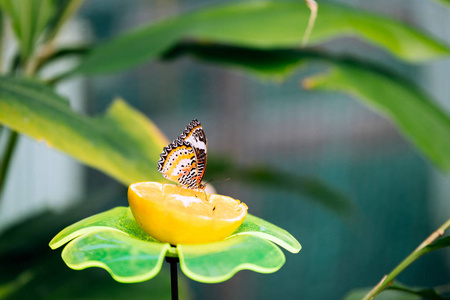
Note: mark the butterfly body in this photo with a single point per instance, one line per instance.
(184, 160)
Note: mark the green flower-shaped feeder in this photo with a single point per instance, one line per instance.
(114, 241)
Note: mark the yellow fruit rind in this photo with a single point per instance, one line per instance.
(179, 215)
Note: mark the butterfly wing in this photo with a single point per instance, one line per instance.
(184, 160)
(177, 163)
(195, 135)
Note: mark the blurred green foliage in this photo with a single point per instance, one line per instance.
(229, 35)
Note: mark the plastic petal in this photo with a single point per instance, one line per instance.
(265, 230)
(118, 218)
(126, 258)
(217, 262)
(114, 241)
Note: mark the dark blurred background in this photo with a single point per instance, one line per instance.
(400, 198)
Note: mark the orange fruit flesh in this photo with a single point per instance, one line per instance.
(179, 215)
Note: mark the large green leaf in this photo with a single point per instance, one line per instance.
(276, 64)
(266, 25)
(29, 18)
(122, 143)
(421, 120)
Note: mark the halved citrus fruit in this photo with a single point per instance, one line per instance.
(179, 215)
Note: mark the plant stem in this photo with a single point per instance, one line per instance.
(173, 261)
(71, 8)
(6, 160)
(418, 252)
(47, 50)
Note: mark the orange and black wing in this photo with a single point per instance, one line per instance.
(178, 163)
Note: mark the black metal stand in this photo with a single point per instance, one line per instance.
(173, 261)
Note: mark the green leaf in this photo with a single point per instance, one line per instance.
(15, 285)
(261, 228)
(275, 64)
(420, 120)
(126, 258)
(439, 244)
(397, 291)
(263, 25)
(422, 293)
(217, 262)
(29, 19)
(443, 1)
(123, 143)
(358, 294)
(399, 39)
(46, 278)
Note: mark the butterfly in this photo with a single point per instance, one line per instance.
(184, 160)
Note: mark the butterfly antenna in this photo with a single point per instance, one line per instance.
(212, 179)
(222, 180)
